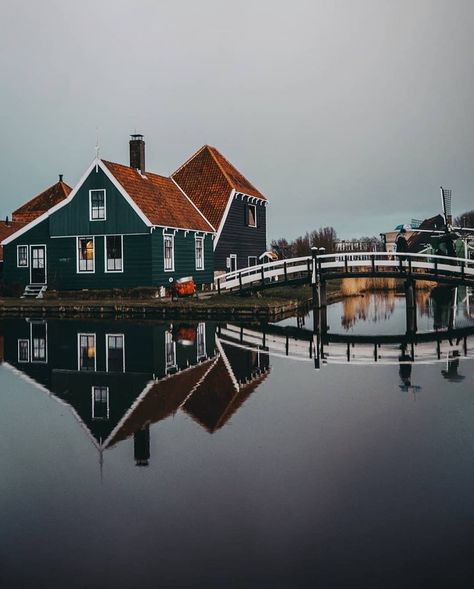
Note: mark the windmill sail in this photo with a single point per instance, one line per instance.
(446, 197)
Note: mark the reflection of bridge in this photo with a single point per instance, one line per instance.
(303, 270)
(304, 345)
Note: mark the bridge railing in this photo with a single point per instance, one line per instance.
(345, 263)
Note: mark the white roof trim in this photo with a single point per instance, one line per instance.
(125, 194)
(95, 164)
(224, 217)
(181, 190)
(47, 213)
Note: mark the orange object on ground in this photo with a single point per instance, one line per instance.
(185, 287)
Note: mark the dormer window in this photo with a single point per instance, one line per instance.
(97, 205)
(251, 215)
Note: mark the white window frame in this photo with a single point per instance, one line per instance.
(93, 404)
(169, 340)
(104, 218)
(201, 239)
(248, 205)
(105, 255)
(79, 335)
(201, 333)
(20, 341)
(232, 257)
(43, 360)
(107, 335)
(250, 258)
(18, 265)
(165, 237)
(78, 270)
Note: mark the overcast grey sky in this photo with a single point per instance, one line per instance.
(348, 113)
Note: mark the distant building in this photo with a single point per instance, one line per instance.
(355, 245)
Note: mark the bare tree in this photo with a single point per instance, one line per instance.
(465, 220)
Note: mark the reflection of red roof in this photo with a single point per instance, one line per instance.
(208, 178)
(162, 400)
(42, 203)
(6, 229)
(159, 198)
(217, 397)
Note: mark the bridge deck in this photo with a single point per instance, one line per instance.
(331, 266)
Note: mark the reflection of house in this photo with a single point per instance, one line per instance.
(120, 377)
(234, 376)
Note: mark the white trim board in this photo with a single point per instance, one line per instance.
(224, 217)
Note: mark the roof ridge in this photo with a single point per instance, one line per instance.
(210, 149)
(189, 159)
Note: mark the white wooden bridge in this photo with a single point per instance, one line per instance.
(308, 269)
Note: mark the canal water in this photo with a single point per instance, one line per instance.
(183, 455)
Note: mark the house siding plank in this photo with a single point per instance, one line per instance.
(237, 238)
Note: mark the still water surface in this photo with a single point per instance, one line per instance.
(164, 456)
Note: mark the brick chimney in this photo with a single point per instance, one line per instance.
(137, 152)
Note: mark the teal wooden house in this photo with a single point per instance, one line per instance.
(120, 227)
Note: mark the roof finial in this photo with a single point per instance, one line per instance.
(97, 149)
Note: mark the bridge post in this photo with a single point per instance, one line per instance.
(410, 300)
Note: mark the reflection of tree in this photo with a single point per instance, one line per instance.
(377, 306)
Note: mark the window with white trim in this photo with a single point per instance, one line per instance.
(115, 353)
(201, 341)
(170, 351)
(87, 352)
(252, 260)
(97, 205)
(100, 403)
(22, 256)
(199, 252)
(114, 253)
(85, 254)
(168, 252)
(251, 215)
(23, 350)
(38, 341)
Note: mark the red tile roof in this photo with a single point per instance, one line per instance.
(38, 205)
(159, 198)
(208, 178)
(6, 229)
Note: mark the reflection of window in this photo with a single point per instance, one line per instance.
(85, 254)
(100, 402)
(252, 260)
(38, 348)
(113, 253)
(251, 215)
(87, 351)
(23, 350)
(115, 353)
(97, 205)
(168, 242)
(170, 351)
(22, 256)
(199, 251)
(201, 341)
